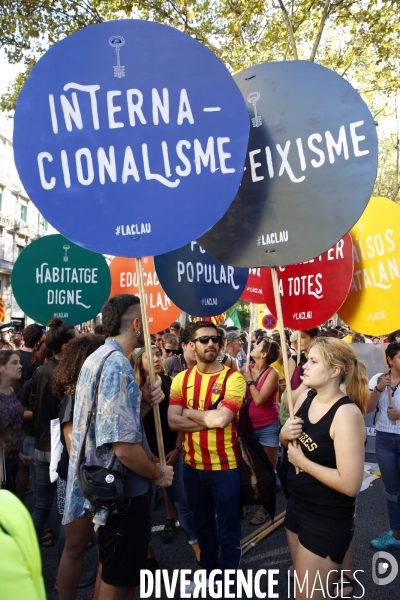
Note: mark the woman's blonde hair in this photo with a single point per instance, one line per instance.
(338, 354)
(139, 371)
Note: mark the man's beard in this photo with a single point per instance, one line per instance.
(208, 357)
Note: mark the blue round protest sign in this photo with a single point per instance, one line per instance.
(130, 137)
(198, 283)
(310, 168)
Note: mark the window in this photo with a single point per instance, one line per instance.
(45, 225)
(19, 249)
(23, 213)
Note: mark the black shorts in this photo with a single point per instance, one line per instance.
(123, 544)
(321, 537)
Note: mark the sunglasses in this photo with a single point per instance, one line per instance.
(170, 351)
(204, 339)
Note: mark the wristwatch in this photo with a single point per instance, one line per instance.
(376, 389)
(250, 382)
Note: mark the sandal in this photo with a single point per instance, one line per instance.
(47, 540)
(259, 519)
(246, 511)
(344, 583)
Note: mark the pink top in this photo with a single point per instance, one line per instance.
(266, 413)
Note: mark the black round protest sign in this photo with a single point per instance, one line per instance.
(197, 283)
(310, 167)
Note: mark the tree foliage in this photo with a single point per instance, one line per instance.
(355, 38)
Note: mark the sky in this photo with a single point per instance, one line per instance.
(9, 72)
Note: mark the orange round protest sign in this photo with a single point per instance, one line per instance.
(372, 304)
(124, 280)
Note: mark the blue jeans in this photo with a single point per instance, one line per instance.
(210, 493)
(176, 493)
(45, 491)
(387, 448)
(28, 448)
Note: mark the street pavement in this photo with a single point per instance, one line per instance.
(270, 553)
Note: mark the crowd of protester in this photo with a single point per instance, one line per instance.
(98, 386)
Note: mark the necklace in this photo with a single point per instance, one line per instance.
(260, 375)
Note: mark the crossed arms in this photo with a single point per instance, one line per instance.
(189, 420)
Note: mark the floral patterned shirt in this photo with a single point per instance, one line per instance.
(12, 417)
(116, 418)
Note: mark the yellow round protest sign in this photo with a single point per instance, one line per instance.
(371, 306)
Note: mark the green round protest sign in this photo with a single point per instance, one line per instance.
(53, 277)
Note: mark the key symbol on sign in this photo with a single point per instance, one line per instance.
(252, 99)
(116, 41)
(66, 248)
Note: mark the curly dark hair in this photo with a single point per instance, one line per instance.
(114, 311)
(75, 352)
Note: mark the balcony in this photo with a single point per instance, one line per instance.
(6, 266)
(23, 227)
(5, 179)
(6, 220)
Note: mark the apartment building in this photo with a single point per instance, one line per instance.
(20, 224)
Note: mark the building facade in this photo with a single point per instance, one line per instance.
(20, 224)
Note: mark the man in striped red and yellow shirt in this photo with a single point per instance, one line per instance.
(211, 475)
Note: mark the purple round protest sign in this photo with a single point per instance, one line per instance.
(126, 125)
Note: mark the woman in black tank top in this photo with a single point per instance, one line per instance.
(329, 429)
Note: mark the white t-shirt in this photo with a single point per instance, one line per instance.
(383, 423)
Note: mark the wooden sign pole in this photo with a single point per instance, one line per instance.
(278, 305)
(298, 346)
(252, 311)
(147, 343)
(385, 370)
(271, 527)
